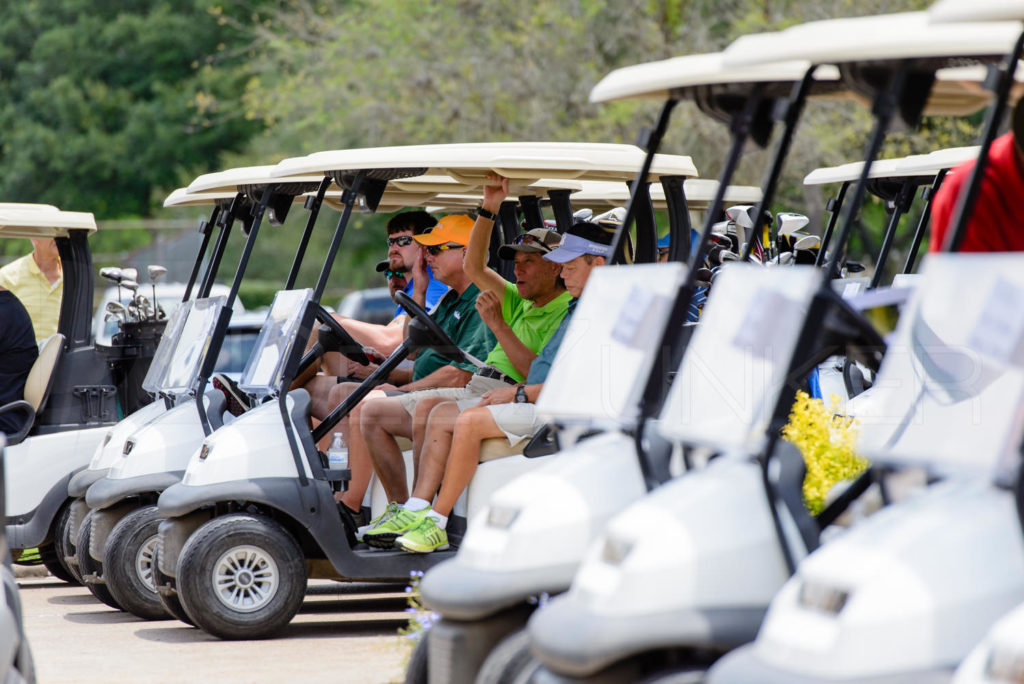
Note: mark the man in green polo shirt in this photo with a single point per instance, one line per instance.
(443, 251)
(522, 315)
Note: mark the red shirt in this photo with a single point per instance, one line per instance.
(997, 219)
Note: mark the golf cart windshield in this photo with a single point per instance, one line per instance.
(154, 381)
(606, 355)
(191, 345)
(736, 364)
(957, 361)
(263, 372)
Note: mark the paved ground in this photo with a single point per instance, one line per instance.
(344, 633)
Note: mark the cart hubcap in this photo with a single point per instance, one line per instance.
(144, 563)
(245, 578)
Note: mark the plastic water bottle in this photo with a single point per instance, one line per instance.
(337, 455)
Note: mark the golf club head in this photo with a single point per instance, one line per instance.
(582, 215)
(790, 222)
(156, 272)
(612, 217)
(741, 215)
(116, 308)
(130, 284)
(807, 242)
(112, 273)
(130, 274)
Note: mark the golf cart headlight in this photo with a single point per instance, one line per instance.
(129, 444)
(502, 517)
(1005, 665)
(824, 598)
(204, 451)
(615, 550)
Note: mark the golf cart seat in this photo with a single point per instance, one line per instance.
(498, 447)
(37, 385)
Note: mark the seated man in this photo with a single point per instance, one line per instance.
(37, 279)
(448, 459)
(382, 339)
(18, 351)
(523, 317)
(455, 313)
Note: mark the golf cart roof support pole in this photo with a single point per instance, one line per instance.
(834, 206)
(650, 140)
(206, 230)
(789, 112)
(313, 204)
(646, 228)
(884, 108)
(531, 211)
(679, 226)
(76, 303)
(900, 204)
(365, 387)
(509, 232)
(1003, 81)
(243, 261)
(922, 224)
(561, 207)
(348, 198)
(227, 219)
(672, 345)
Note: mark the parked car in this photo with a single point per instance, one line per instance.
(373, 305)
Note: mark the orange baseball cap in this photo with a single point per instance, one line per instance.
(452, 228)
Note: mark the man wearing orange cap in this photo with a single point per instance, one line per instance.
(443, 251)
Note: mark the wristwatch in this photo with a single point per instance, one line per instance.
(487, 214)
(521, 397)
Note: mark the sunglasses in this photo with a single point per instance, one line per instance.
(401, 241)
(394, 274)
(434, 250)
(527, 239)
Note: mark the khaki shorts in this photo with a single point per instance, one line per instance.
(465, 397)
(518, 421)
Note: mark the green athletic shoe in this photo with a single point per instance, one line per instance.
(423, 538)
(382, 535)
(386, 515)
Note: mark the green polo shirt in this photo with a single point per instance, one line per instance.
(457, 315)
(533, 325)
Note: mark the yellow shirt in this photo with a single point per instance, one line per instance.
(40, 298)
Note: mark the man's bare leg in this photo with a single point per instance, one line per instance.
(420, 414)
(472, 427)
(358, 458)
(380, 422)
(436, 445)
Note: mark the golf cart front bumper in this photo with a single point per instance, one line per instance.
(570, 640)
(746, 665)
(466, 593)
(106, 492)
(83, 479)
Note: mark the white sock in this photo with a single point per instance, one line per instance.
(441, 520)
(414, 504)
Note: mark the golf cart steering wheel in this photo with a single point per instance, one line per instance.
(347, 345)
(437, 338)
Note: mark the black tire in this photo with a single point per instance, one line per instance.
(128, 564)
(417, 672)
(64, 546)
(52, 563)
(241, 577)
(171, 603)
(507, 660)
(87, 565)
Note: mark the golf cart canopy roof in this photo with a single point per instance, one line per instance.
(246, 177)
(680, 77)
(699, 194)
(881, 38)
(916, 165)
(183, 198)
(469, 164)
(41, 221)
(976, 10)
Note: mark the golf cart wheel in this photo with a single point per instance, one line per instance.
(89, 566)
(170, 601)
(128, 561)
(51, 561)
(417, 672)
(241, 577)
(507, 662)
(64, 546)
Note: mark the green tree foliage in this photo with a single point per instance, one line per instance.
(101, 104)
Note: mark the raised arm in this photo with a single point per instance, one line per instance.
(475, 264)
